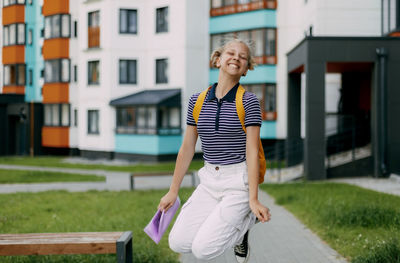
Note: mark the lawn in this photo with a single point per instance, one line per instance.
(362, 225)
(19, 176)
(59, 211)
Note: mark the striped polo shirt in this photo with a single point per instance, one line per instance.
(223, 140)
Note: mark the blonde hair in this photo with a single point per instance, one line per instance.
(218, 52)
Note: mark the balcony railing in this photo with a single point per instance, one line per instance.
(238, 8)
(93, 37)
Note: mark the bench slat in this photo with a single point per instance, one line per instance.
(59, 243)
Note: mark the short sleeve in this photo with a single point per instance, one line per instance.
(189, 118)
(252, 108)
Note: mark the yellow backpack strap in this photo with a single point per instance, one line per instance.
(199, 104)
(239, 105)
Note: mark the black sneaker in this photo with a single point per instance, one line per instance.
(242, 251)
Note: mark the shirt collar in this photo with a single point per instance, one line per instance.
(230, 96)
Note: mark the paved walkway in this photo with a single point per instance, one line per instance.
(282, 240)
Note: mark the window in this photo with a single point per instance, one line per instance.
(57, 115)
(30, 77)
(127, 71)
(14, 75)
(162, 20)
(75, 28)
(13, 2)
(93, 122)
(57, 26)
(93, 72)
(161, 71)
(148, 120)
(216, 3)
(128, 21)
(57, 70)
(30, 37)
(266, 93)
(14, 34)
(75, 117)
(75, 73)
(94, 29)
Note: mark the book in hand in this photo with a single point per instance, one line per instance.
(160, 222)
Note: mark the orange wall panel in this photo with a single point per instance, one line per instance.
(52, 7)
(13, 54)
(56, 48)
(14, 89)
(13, 14)
(55, 137)
(55, 93)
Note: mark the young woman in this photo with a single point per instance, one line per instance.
(225, 204)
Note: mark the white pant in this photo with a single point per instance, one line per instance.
(217, 215)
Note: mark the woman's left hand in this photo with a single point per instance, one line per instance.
(260, 211)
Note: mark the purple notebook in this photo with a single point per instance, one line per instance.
(160, 222)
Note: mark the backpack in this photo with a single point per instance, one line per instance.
(241, 113)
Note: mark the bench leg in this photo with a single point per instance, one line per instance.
(124, 248)
(132, 181)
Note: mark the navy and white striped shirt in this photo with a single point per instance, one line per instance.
(222, 137)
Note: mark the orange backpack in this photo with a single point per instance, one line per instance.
(241, 113)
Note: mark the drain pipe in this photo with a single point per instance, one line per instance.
(380, 162)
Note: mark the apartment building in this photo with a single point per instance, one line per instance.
(254, 20)
(102, 78)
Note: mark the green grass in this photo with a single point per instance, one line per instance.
(362, 225)
(18, 176)
(60, 211)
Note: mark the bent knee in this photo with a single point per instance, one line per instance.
(204, 251)
(178, 243)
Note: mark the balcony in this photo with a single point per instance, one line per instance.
(239, 8)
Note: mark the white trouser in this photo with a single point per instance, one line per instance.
(217, 215)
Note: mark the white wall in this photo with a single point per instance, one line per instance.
(327, 18)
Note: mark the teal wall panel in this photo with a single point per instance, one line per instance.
(33, 59)
(268, 130)
(260, 74)
(243, 21)
(147, 144)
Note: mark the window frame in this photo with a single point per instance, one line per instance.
(59, 117)
(97, 130)
(61, 34)
(159, 79)
(17, 77)
(128, 65)
(164, 26)
(59, 74)
(6, 29)
(128, 13)
(15, 2)
(88, 72)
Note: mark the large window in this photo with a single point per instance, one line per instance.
(161, 71)
(94, 29)
(266, 94)
(264, 42)
(148, 120)
(93, 72)
(127, 71)
(57, 115)
(93, 122)
(13, 2)
(57, 26)
(14, 75)
(128, 21)
(162, 20)
(57, 70)
(14, 34)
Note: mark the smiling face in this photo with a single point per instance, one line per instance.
(234, 59)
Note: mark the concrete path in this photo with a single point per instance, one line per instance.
(115, 181)
(282, 240)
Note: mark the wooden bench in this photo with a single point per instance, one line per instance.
(119, 243)
(133, 175)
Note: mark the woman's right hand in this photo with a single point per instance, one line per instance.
(167, 201)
